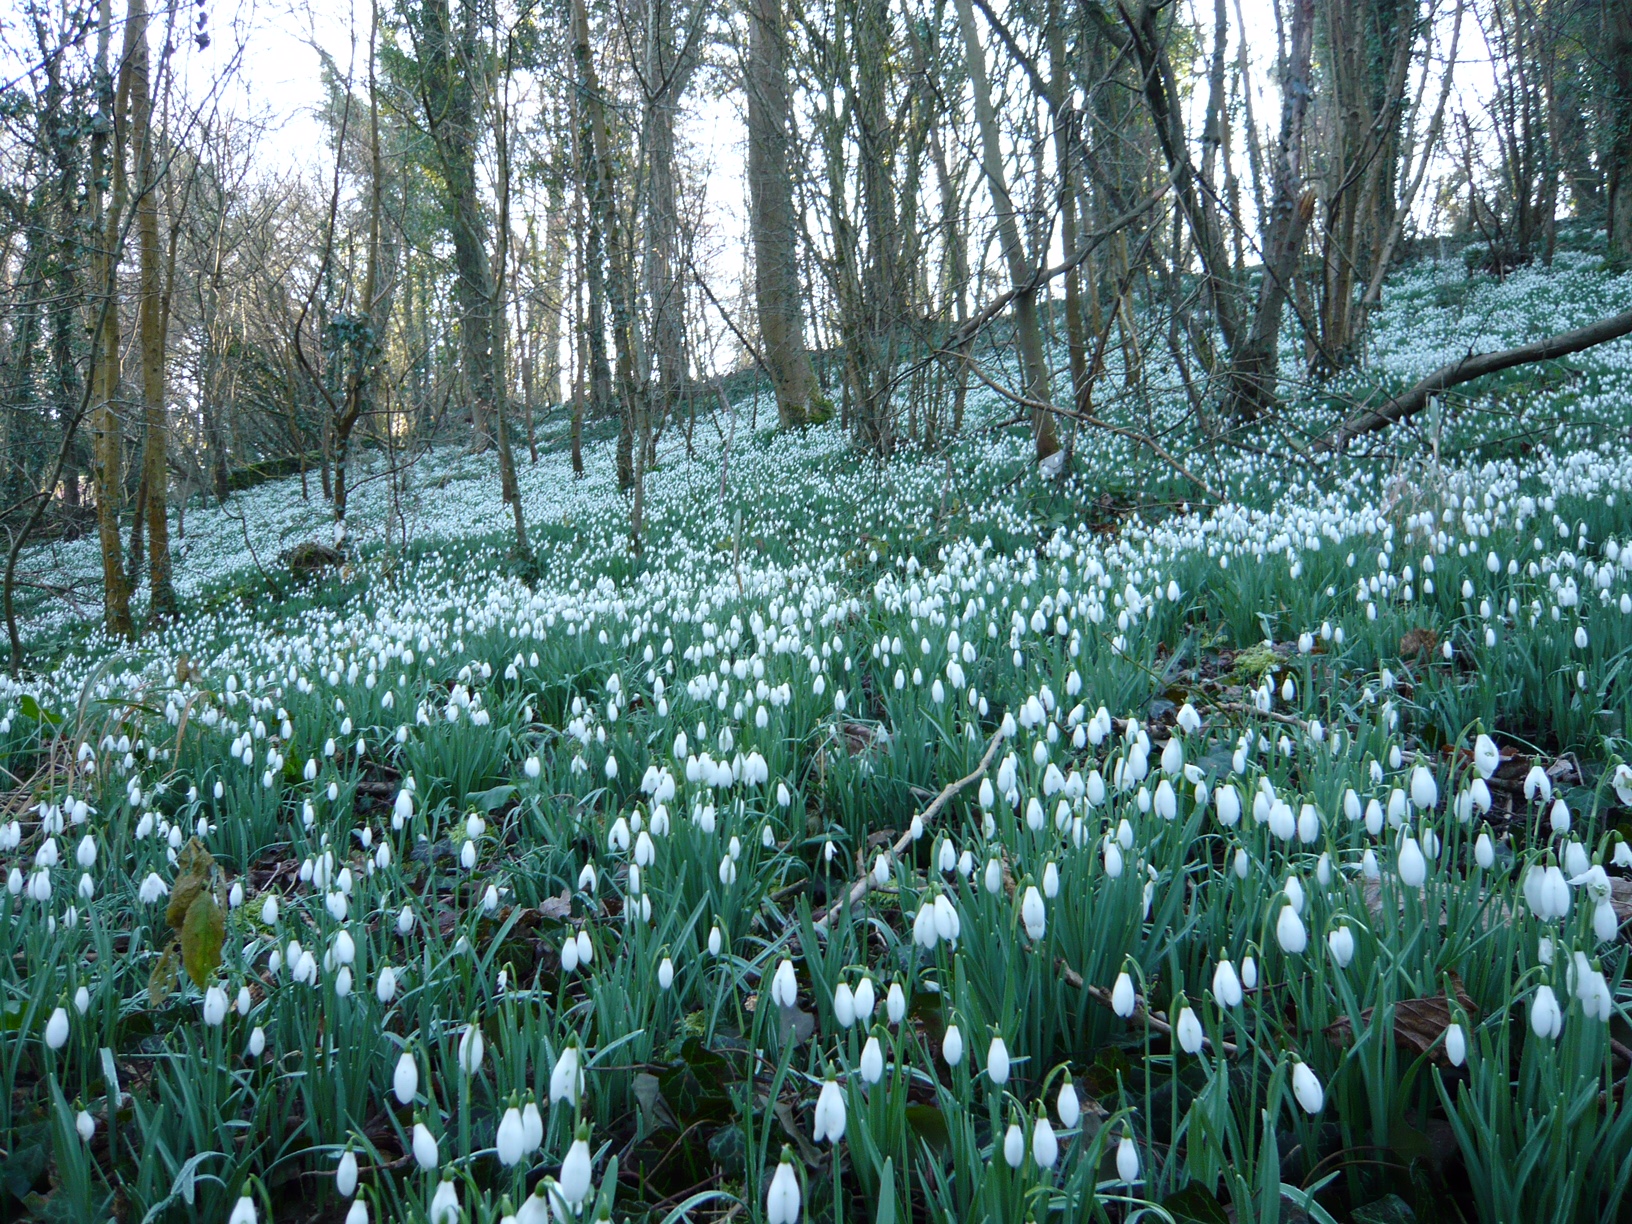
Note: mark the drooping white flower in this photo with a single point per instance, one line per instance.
(1127, 1160)
(830, 1114)
(1122, 996)
(997, 1061)
(1306, 1088)
(576, 1168)
(782, 1199)
(425, 1148)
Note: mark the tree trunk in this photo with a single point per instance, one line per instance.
(1617, 21)
(107, 441)
(1254, 368)
(150, 328)
(1028, 333)
(772, 222)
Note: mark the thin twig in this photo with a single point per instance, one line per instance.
(864, 885)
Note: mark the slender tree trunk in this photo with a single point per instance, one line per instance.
(154, 504)
(772, 222)
(107, 441)
(1254, 369)
(1617, 42)
(1028, 332)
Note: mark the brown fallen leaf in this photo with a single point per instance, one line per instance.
(1419, 1024)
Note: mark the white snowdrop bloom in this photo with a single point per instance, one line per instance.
(1307, 1089)
(952, 1045)
(665, 974)
(243, 1211)
(1559, 816)
(1412, 866)
(997, 1061)
(215, 1006)
(1166, 802)
(1538, 785)
(567, 1077)
(864, 999)
(1113, 859)
(830, 1112)
(1123, 998)
(1424, 790)
(1227, 801)
(1456, 1045)
(1226, 984)
(1045, 1145)
(257, 1041)
(512, 1138)
(782, 1199)
(1032, 914)
(784, 985)
(1341, 944)
(405, 920)
(1014, 1146)
(1546, 1019)
(56, 1028)
(1127, 1160)
(1484, 851)
(872, 1060)
(844, 1005)
(425, 1147)
(994, 876)
(1188, 1030)
(895, 1005)
(405, 1080)
(1486, 756)
(1290, 932)
(576, 1169)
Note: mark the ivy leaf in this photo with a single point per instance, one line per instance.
(202, 934)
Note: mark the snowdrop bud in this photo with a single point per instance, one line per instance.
(472, 1046)
(425, 1149)
(1306, 1087)
(576, 1168)
(1188, 1030)
(830, 1112)
(85, 1125)
(1546, 1020)
(405, 1081)
(872, 1060)
(1014, 1146)
(1559, 817)
(1486, 756)
(1127, 1160)
(257, 1041)
(1341, 944)
(1424, 790)
(782, 1199)
(512, 1138)
(215, 1006)
(665, 974)
(952, 1045)
(1413, 867)
(1484, 851)
(345, 1177)
(844, 1005)
(243, 1212)
(1122, 995)
(1290, 933)
(1068, 1105)
(1045, 1145)
(1226, 985)
(56, 1028)
(895, 1004)
(567, 1077)
(1456, 1045)
(997, 1061)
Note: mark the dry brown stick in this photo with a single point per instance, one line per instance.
(864, 885)
(1140, 1013)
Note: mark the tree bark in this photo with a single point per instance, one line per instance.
(777, 294)
(1255, 365)
(1028, 333)
(1617, 28)
(1477, 365)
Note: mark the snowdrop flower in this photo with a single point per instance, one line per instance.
(952, 1045)
(1546, 1020)
(1306, 1088)
(895, 1005)
(1127, 1160)
(830, 1115)
(257, 1041)
(1456, 1045)
(1413, 867)
(345, 1177)
(864, 999)
(784, 985)
(424, 1147)
(1014, 1145)
(1341, 944)
(1122, 995)
(576, 1168)
(1537, 784)
(1486, 756)
(85, 1125)
(782, 1199)
(512, 1138)
(1031, 913)
(472, 1047)
(358, 1214)
(567, 1077)
(1188, 1029)
(243, 1212)
(1226, 985)
(997, 1061)
(872, 1060)
(1045, 1146)
(1424, 790)
(56, 1028)
(405, 1081)
(1290, 933)
(215, 1006)
(1068, 1104)
(665, 974)
(445, 1202)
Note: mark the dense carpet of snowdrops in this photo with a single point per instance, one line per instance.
(869, 847)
